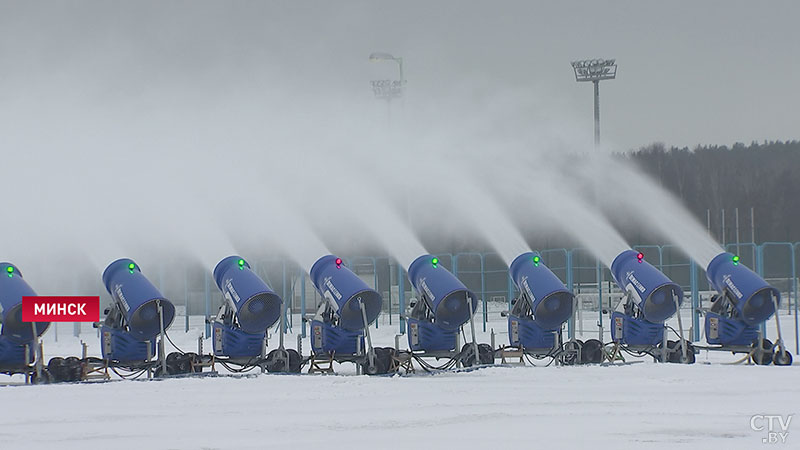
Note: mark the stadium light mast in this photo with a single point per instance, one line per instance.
(388, 89)
(595, 70)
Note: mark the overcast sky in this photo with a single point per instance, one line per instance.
(689, 72)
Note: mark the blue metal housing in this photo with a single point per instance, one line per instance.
(12, 355)
(119, 345)
(634, 331)
(255, 305)
(426, 336)
(12, 288)
(723, 330)
(549, 300)
(526, 334)
(750, 294)
(650, 289)
(345, 292)
(330, 339)
(136, 299)
(235, 343)
(445, 295)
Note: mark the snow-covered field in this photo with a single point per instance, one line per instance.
(641, 405)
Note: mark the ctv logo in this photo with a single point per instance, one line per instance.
(777, 427)
(60, 309)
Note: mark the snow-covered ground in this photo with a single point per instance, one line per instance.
(642, 405)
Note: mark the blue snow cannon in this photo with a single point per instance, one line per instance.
(16, 335)
(250, 307)
(543, 305)
(133, 318)
(349, 307)
(650, 299)
(744, 302)
(444, 305)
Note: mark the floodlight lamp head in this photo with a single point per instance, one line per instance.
(382, 56)
(595, 69)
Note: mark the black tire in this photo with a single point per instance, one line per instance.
(782, 357)
(57, 369)
(74, 369)
(383, 360)
(467, 355)
(277, 361)
(762, 356)
(295, 361)
(675, 352)
(592, 352)
(485, 354)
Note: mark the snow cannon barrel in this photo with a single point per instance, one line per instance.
(346, 292)
(750, 294)
(137, 299)
(650, 289)
(12, 288)
(445, 294)
(256, 305)
(550, 301)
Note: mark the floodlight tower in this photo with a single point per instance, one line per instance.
(595, 70)
(388, 89)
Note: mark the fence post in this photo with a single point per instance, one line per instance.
(759, 250)
(570, 286)
(794, 282)
(401, 297)
(695, 301)
(208, 303)
(483, 291)
(600, 299)
(303, 303)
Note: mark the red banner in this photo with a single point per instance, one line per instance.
(60, 309)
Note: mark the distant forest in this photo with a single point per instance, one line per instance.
(713, 179)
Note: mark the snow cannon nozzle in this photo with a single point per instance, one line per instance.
(652, 291)
(345, 292)
(549, 300)
(444, 294)
(747, 291)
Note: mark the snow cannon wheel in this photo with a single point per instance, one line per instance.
(295, 361)
(572, 352)
(485, 354)
(467, 355)
(690, 356)
(675, 352)
(782, 357)
(592, 352)
(283, 361)
(56, 368)
(74, 369)
(181, 363)
(277, 361)
(762, 355)
(383, 361)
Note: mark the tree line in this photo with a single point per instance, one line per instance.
(712, 181)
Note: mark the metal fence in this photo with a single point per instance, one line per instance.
(486, 275)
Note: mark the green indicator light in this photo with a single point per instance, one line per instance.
(435, 261)
(131, 266)
(241, 264)
(735, 259)
(10, 271)
(536, 260)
